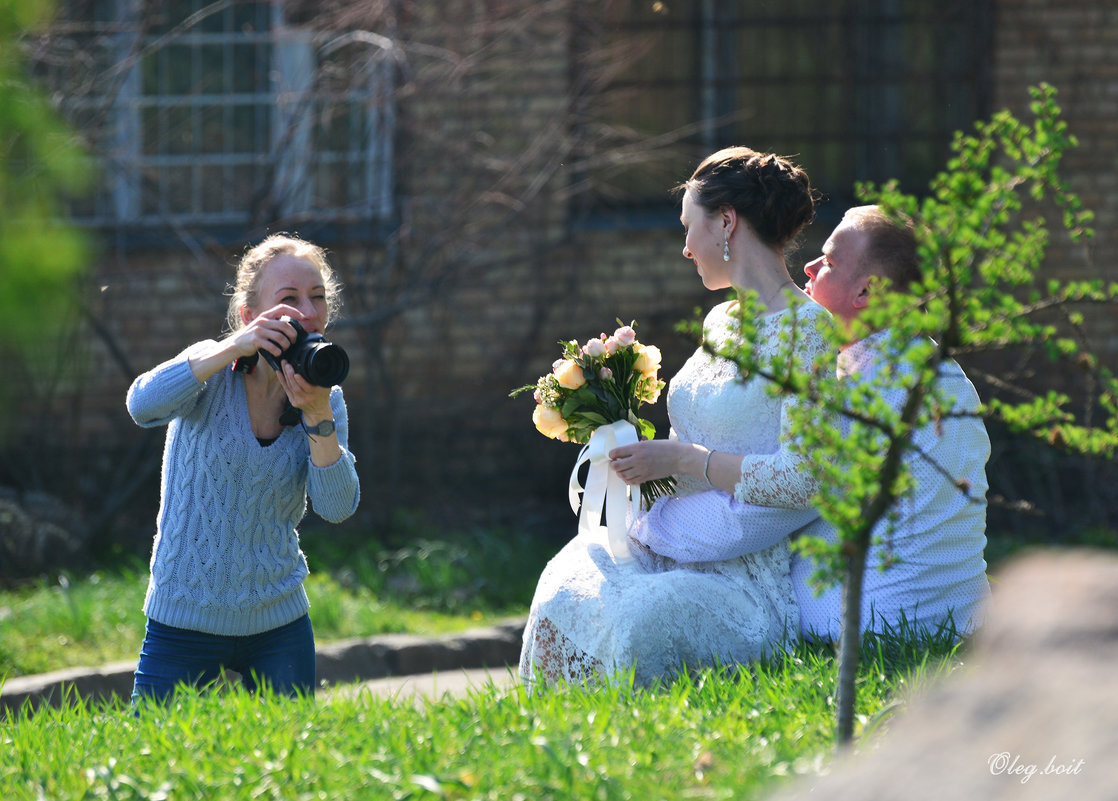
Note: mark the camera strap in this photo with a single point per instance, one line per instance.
(246, 364)
(291, 416)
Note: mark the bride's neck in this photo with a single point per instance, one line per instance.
(767, 275)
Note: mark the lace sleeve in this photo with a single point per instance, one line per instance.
(778, 479)
(711, 526)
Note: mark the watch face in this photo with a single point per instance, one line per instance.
(324, 429)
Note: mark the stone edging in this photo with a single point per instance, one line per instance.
(339, 662)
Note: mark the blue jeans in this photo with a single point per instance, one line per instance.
(282, 658)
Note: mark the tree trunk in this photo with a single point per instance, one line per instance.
(850, 643)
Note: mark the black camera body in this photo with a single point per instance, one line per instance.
(322, 363)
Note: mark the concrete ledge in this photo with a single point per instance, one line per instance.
(95, 685)
(339, 662)
(361, 659)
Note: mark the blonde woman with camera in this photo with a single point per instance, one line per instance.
(246, 445)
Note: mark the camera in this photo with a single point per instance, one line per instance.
(322, 363)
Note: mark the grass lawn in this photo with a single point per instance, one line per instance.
(432, 586)
(427, 587)
(98, 619)
(716, 735)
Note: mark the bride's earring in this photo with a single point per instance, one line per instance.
(725, 247)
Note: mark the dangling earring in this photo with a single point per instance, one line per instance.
(726, 248)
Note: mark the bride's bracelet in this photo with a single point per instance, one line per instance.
(706, 469)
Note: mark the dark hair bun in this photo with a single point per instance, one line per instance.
(771, 193)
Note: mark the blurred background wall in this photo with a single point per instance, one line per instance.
(489, 177)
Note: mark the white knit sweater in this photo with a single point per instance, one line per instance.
(226, 558)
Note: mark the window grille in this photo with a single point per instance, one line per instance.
(855, 90)
(221, 113)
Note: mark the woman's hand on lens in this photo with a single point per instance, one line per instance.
(314, 401)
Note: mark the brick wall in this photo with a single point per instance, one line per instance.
(487, 272)
(1071, 44)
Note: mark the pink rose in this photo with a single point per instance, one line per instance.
(594, 348)
(625, 336)
(612, 345)
(605, 374)
(549, 422)
(569, 374)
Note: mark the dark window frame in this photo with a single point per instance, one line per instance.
(215, 125)
(888, 68)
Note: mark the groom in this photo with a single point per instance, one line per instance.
(938, 580)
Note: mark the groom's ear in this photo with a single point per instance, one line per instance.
(863, 288)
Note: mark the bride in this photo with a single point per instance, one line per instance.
(730, 445)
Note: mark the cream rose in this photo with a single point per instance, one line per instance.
(648, 359)
(569, 374)
(649, 389)
(549, 421)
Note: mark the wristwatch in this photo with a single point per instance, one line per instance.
(323, 429)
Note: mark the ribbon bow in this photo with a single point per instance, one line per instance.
(604, 488)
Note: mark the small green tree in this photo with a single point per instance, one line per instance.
(39, 253)
(981, 248)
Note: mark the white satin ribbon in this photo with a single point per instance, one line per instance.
(604, 488)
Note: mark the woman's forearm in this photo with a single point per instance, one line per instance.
(719, 469)
(324, 448)
(207, 358)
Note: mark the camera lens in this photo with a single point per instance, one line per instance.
(323, 364)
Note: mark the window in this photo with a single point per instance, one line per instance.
(221, 113)
(855, 90)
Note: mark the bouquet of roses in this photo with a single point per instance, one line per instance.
(601, 382)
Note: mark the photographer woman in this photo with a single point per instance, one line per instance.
(226, 587)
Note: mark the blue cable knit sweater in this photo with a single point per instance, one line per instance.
(226, 558)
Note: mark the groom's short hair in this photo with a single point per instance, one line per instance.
(890, 249)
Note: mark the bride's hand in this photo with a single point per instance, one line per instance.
(651, 459)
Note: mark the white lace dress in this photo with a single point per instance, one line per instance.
(592, 617)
